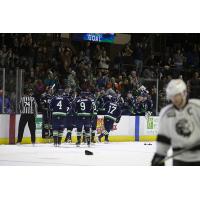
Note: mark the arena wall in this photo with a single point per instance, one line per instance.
(130, 128)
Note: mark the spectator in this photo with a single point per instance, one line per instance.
(103, 58)
(178, 60)
(7, 105)
(71, 80)
(194, 86)
(138, 58)
(127, 51)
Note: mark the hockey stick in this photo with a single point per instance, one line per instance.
(188, 148)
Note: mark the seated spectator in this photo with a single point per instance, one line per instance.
(7, 105)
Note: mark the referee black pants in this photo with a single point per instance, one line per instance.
(24, 119)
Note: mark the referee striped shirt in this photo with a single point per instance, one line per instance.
(28, 105)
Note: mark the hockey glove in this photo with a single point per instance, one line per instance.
(157, 160)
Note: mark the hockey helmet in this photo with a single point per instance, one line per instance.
(174, 87)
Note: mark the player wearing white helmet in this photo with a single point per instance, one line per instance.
(179, 127)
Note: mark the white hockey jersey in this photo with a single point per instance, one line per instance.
(179, 129)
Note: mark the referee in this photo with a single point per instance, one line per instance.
(28, 110)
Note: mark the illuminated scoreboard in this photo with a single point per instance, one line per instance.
(94, 37)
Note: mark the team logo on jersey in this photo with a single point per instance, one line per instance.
(189, 110)
(171, 113)
(184, 127)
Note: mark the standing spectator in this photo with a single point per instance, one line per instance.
(71, 80)
(138, 58)
(103, 58)
(178, 60)
(7, 105)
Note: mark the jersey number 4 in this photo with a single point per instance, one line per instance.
(59, 104)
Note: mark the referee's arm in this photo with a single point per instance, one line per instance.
(35, 107)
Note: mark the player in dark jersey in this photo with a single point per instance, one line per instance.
(60, 107)
(128, 105)
(102, 99)
(112, 114)
(140, 106)
(84, 112)
(94, 118)
(70, 118)
(46, 113)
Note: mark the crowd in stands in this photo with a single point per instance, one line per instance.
(48, 60)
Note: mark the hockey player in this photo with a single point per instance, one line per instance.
(60, 107)
(112, 114)
(84, 111)
(141, 106)
(102, 99)
(70, 118)
(94, 118)
(128, 105)
(46, 113)
(179, 127)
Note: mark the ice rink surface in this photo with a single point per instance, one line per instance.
(112, 154)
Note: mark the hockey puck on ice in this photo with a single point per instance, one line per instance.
(88, 152)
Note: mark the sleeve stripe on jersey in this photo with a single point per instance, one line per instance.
(163, 139)
(196, 148)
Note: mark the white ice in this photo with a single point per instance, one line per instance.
(112, 154)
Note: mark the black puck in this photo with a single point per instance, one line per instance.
(88, 152)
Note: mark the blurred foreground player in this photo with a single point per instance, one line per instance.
(60, 107)
(179, 127)
(84, 111)
(112, 115)
(28, 110)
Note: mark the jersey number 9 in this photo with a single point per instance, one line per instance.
(82, 104)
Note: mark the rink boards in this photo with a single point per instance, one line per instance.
(130, 128)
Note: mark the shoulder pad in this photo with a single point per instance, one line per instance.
(167, 110)
(195, 102)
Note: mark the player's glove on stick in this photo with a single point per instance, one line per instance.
(158, 160)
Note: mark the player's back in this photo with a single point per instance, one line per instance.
(45, 100)
(84, 107)
(112, 110)
(60, 105)
(94, 104)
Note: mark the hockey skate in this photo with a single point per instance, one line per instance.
(99, 137)
(106, 139)
(93, 140)
(78, 143)
(68, 140)
(88, 141)
(84, 140)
